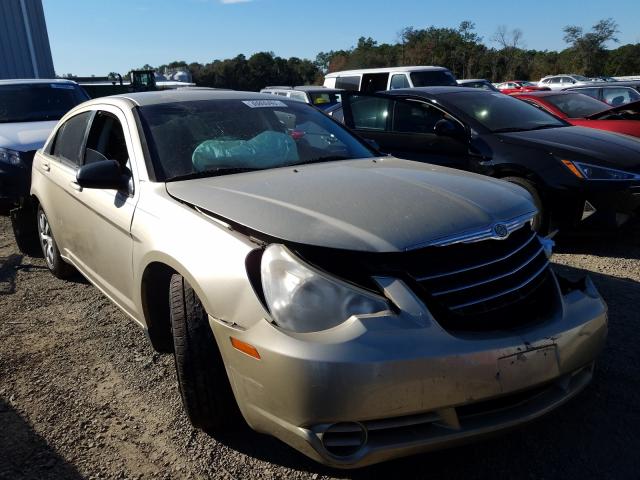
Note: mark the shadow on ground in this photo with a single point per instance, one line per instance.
(26, 455)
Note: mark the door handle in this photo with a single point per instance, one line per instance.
(75, 186)
(45, 166)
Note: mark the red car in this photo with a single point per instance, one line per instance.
(519, 86)
(585, 111)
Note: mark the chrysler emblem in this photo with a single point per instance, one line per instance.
(500, 230)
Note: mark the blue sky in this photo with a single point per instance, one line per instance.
(99, 36)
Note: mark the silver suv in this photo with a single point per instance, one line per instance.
(357, 307)
(558, 82)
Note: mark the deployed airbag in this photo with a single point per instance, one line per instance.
(266, 150)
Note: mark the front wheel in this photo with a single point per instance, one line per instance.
(49, 247)
(540, 223)
(204, 386)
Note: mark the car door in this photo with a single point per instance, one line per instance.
(58, 167)
(102, 217)
(404, 128)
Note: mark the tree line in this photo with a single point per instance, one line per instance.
(460, 49)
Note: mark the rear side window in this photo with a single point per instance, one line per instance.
(371, 113)
(592, 92)
(431, 78)
(399, 81)
(374, 82)
(348, 83)
(70, 137)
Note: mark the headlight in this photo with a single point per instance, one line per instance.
(593, 172)
(302, 299)
(10, 156)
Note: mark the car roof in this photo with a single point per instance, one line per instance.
(30, 81)
(304, 88)
(415, 68)
(470, 80)
(432, 92)
(185, 95)
(546, 93)
(616, 84)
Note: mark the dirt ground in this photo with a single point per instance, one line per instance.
(83, 395)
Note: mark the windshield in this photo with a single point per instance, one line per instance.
(325, 100)
(502, 113)
(576, 105)
(528, 84)
(213, 137)
(38, 101)
(431, 78)
(580, 78)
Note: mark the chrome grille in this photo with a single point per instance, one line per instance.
(484, 278)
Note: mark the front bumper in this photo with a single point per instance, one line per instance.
(613, 208)
(15, 182)
(384, 386)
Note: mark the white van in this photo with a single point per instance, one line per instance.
(378, 79)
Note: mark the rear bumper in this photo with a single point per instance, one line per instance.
(403, 384)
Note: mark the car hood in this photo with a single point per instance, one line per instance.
(386, 205)
(578, 143)
(25, 136)
(633, 107)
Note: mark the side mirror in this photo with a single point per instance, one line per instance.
(106, 174)
(448, 128)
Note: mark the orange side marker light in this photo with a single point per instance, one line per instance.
(573, 168)
(245, 348)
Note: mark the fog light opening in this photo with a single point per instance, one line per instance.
(344, 439)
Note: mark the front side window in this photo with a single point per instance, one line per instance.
(38, 102)
(213, 137)
(399, 81)
(576, 105)
(431, 78)
(348, 83)
(69, 138)
(501, 113)
(415, 117)
(106, 140)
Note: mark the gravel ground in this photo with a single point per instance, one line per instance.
(83, 395)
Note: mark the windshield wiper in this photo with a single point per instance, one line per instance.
(211, 173)
(508, 129)
(543, 127)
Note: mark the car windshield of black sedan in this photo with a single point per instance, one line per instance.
(576, 105)
(502, 113)
(215, 137)
(35, 102)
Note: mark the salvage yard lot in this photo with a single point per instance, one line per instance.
(83, 395)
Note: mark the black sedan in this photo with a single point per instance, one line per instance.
(575, 175)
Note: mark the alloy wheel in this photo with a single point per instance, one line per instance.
(46, 239)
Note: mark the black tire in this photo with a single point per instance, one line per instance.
(204, 386)
(49, 247)
(540, 222)
(25, 229)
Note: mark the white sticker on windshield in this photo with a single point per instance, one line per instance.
(66, 86)
(264, 103)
